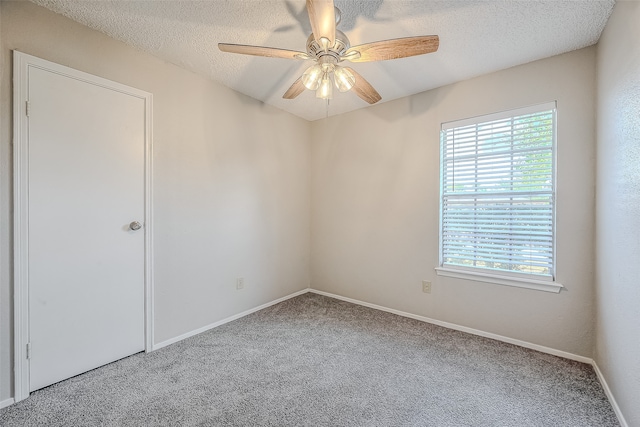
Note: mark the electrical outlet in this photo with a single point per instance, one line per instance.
(240, 283)
(426, 287)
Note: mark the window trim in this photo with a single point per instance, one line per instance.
(522, 280)
(500, 279)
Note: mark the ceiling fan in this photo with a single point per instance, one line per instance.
(328, 47)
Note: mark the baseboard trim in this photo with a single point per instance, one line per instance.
(468, 330)
(226, 320)
(6, 402)
(607, 391)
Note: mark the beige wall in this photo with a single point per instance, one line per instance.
(231, 180)
(375, 205)
(618, 209)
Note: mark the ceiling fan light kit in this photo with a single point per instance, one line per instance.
(328, 46)
(318, 77)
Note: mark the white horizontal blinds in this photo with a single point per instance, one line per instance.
(498, 192)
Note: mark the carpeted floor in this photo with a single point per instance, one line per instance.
(317, 361)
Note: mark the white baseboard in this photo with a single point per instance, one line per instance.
(472, 331)
(227, 320)
(6, 402)
(607, 391)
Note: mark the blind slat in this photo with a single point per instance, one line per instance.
(491, 154)
(502, 257)
(514, 233)
(506, 166)
(501, 197)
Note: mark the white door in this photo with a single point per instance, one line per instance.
(86, 265)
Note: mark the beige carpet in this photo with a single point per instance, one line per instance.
(316, 361)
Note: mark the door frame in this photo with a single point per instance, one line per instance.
(21, 64)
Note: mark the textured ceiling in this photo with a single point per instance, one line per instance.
(476, 37)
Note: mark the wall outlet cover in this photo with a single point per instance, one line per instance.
(426, 287)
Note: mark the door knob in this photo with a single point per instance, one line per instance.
(135, 225)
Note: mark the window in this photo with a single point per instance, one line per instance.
(497, 198)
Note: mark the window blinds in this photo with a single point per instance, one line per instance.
(497, 207)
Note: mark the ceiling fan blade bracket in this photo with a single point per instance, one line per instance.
(352, 55)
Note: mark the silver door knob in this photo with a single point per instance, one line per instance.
(135, 225)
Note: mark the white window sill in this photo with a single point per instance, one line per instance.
(540, 285)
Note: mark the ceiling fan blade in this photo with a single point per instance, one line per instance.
(271, 52)
(363, 89)
(296, 89)
(323, 20)
(393, 49)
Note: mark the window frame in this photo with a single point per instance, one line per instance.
(523, 280)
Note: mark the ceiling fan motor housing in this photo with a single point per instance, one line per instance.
(315, 50)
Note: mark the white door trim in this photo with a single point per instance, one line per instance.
(21, 64)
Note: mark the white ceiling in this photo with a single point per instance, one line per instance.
(476, 37)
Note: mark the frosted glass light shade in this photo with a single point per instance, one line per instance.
(344, 79)
(312, 76)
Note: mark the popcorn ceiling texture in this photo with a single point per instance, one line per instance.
(476, 37)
